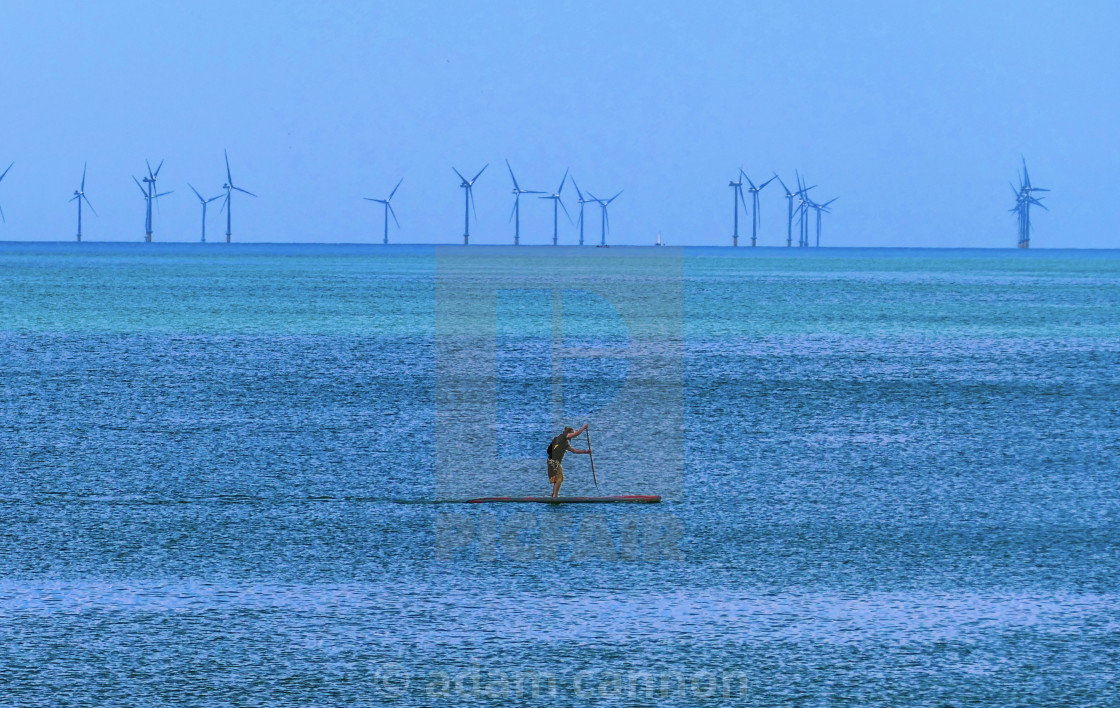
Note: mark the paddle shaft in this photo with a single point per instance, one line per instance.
(589, 454)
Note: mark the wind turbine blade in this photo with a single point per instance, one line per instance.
(565, 210)
(393, 214)
(196, 192)
(6, 171)
(245, 191)
(369, 199)
(460, 175)
(614, 197)
(1039, 189)
(224, 203)
(830, 201)
(158, 168)
(744, 176)
(562, 182)
(211, 199)
(95, 211)
(512, 211)
(229, 177)
(470, 192)
(515, 185)
(480, 172)
(140, 187)
(768, 181)
(395, 189)
(83, 187)
(3, 218)
(607, 219)
(76, 196)
(1026, 175)
(149, 168)
(781, 183)
(163, 194)
(741, 199)
(578, 193)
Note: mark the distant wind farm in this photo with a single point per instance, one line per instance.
(800, 206)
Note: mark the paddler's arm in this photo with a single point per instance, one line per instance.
(578, 432)
(579, 452)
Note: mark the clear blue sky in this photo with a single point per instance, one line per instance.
(914, 114)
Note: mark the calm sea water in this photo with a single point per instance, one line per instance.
(896, 478)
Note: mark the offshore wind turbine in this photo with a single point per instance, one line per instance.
(1024, 198)
(227, 204)
(556, 199)
(790, 196)
(803, 205)
(80, 196)
(468, 201)
(148, 189)
(516, 213)
(754, 190)
(822, 208)
(388, 209)
(606, 223)
(582, 202)
(2, 217)
(737, 198)
(204, 202)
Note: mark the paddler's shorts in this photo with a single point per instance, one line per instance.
(555, 471)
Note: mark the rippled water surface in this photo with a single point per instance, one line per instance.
(223, 480)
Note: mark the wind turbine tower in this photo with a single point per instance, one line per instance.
(606, 222)
(204, 202)
(556, 199)
(388, 210)
(737, 198)
(80, 196)
(2, 217)
(467, 185)
(754, 190)
(1024, 198)
(228, 203)
(516, 214)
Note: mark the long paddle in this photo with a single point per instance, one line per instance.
(588, 433)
